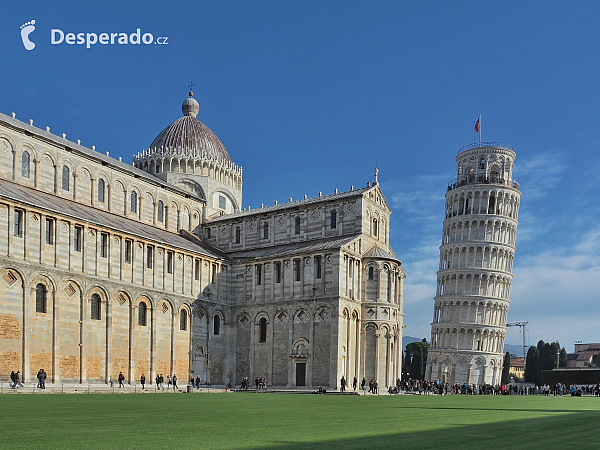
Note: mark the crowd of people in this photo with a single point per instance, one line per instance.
(408, 386)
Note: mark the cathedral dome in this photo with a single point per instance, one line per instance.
(188, 137)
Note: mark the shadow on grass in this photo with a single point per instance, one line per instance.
(566, 429)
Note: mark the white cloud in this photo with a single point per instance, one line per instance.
(540, 174)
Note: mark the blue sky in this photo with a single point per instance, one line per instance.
(307, 96)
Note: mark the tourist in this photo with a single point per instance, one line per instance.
(143, 381)
(354, 383)
(157, 380)
(43, 379)
(362, 384)
(197, 381)
(168, 381)
(121, 379)
(17, 382)
(161, 380)
(343, 384)
(174, 379)
(13, 384)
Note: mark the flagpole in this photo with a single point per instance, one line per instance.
(480, 130)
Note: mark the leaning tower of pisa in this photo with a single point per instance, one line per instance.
(475, 272)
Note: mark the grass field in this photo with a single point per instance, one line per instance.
(255, 421)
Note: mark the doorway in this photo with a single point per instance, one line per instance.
(300, 374)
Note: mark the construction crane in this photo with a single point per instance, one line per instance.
(523, 326)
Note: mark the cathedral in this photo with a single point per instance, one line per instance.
(156, 267)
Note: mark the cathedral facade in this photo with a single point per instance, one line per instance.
(156, 267)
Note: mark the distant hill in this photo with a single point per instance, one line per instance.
(516, 349)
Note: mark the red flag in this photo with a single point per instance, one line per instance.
(477, 125)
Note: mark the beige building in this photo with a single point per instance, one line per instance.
(156, 268)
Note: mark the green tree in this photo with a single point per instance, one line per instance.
(416, 353)
(532, 365)
(506, 368)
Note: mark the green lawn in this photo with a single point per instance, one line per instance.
(248, 420)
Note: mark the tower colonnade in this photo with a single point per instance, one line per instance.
(475, 268)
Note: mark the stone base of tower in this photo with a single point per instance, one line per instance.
(460, 367)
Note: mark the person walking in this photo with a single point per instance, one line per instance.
(43, 379)
(354, 383)
(168, 381)
(121, 379)
(174, 379)
(161, 380)
(157, 380)
(343, 384)
(363, 384)
(143, 381)
(17, 382)
(13, 383)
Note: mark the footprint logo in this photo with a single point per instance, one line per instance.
(26, 30)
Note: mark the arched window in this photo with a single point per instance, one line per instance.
(66, 175)
(297, 225)
(265, 230)
(183, 320)
(95, 307)
(333, 219)
(238, 233)
(101, 187)
(41, 294)
(160, 211)
(25, 164)
(262, 326)
(142, 310)
(374, 229)
(492, 205)
(371, 273)
(216, 325)
(134, 202)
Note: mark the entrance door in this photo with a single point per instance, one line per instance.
(300, 374)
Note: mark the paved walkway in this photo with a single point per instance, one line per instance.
(98, 388)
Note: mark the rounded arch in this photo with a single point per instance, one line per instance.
(371, 327)
(28, 147)
(36, 278)
(301, 347)
(100, 290)
(143, 298)
(165, 301)
(261, 314)
(218, 321)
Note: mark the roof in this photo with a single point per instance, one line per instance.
(93, 216)
(587, 355)
(295, 204)
(517, 362)
(287, 250)
(378, 252)
(93, 155)
(189, 137)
